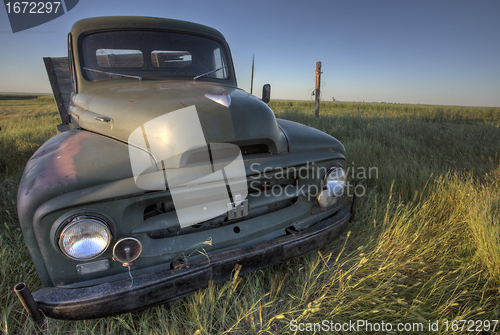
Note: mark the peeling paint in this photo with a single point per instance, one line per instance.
(60, 167)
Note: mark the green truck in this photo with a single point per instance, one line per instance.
(165, 174)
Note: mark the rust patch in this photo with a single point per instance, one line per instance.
(183, 105)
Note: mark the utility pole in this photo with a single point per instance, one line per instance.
(251, 84)
(318, 83)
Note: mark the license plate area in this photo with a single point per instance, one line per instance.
(238, 208)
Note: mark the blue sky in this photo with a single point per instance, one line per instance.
(429, 52)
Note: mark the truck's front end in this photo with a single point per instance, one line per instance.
(170, 176)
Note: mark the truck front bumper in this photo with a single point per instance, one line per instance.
(167, 285)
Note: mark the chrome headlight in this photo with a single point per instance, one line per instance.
(333, 185)
(335, 180)
(84, 237)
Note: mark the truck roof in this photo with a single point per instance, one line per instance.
(104, 23)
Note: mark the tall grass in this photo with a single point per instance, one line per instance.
(406, 149)
(434, 112)
(424, 247)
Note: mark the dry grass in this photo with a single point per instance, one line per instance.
(425, 245)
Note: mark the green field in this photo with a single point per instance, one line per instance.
(425, 245)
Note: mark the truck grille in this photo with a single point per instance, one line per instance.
(221, 221)
(262, 200)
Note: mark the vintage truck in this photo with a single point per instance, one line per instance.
(165, 175)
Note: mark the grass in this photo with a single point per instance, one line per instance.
(424, 247)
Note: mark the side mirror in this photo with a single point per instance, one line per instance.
(266, 93)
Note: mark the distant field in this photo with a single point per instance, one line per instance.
(425, 246)
(22, 96)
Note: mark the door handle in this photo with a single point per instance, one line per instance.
(102, 118)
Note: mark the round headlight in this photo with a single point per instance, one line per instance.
(333, 186)
(335, 180)
(84, 238)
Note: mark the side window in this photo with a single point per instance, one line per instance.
(219, 62)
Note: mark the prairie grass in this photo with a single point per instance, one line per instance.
(424, 246)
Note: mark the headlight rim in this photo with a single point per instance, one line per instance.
(72, 220)
(325, 190)
(330, 170)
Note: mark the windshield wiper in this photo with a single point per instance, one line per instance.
(113, 74)
(209, 72)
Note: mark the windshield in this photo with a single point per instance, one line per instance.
(151, 53)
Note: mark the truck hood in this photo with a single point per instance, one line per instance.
(117, 107)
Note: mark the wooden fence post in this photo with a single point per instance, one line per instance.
(318, 84)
